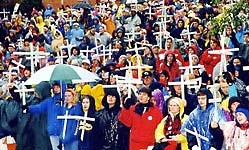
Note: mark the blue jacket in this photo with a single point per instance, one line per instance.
(201, 120)
(49, 106)
(53, 110)
(71, 128)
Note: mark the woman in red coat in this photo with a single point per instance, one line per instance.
(143, 119)
(170, 65)
(210, 60)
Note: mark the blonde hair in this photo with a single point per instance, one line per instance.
(75, 97)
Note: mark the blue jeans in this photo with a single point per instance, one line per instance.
(71, 146)
(54, 142)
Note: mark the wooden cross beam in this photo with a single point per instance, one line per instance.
(23, 91)
(182, 83)
(223, 52)
(198, 136)
(189, 35)
(20, 43)
(4, 12)
(68, 47)
(66, 117)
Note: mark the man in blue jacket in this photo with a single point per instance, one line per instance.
(52, 107)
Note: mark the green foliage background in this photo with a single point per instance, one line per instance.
(230, 15)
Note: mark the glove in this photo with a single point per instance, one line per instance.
(128, 102)
(195, 147)
(25, 108)
(77, 39)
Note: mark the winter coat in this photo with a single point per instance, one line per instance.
(71, 126)
(210, 60)
(142, 126)
(76, 36)
(109, 132)
(50, 106)
(32, 128)
(201, 120)
(234, 137)
(160, 130)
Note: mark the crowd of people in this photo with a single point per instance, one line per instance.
(167, 81)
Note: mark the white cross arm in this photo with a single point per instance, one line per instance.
(76, 118)
(196, 134)
(136, 67)
(188, 33)
(225, 51)
(194, 67)
(189, 82)
(135, 49)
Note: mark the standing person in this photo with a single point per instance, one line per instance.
(109, 131)
(87, 127)
(168, 135)
(52, 107)
(235, 132)
(200, 119)
(69, 137)
(143, 119)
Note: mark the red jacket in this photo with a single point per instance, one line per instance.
(142, 127)
(210, 60)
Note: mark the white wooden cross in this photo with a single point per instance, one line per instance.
(150, 13)
(23, 91)
(96, 48)
(198, 136)
(108, 52)
(20, 42)
(32, 55)
(131, 36)
(182, 83)
(129, 80)
(139, 63)
(164, 16)
(87, 51)
(214, 89)
(18, 64)
(162, 33)
(69, 48)
(223, 52)
(191, 67)
(10, 73)
(66, 117)
(4, 12)
(188, 33)
(245, 68)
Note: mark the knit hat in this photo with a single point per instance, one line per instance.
(244, 110)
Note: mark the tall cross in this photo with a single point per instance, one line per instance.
(164, 17)
(20, 42)
(162, 33)
(18, 64)
(129, 80)
(182, 83)
(23, 91)
(67, 117)
(198, 136)
(4, 12)
(191, 67)
(150, 12)
(188, 33)
(214, 89)
(223, 52)
(108, 52)
(87, 51)
(32, 55)
(68, 47)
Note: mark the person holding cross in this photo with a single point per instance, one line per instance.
(68, 127)
(196, 127)
(143, 119)
(52, 106)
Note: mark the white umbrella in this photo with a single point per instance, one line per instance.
(67, 73)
